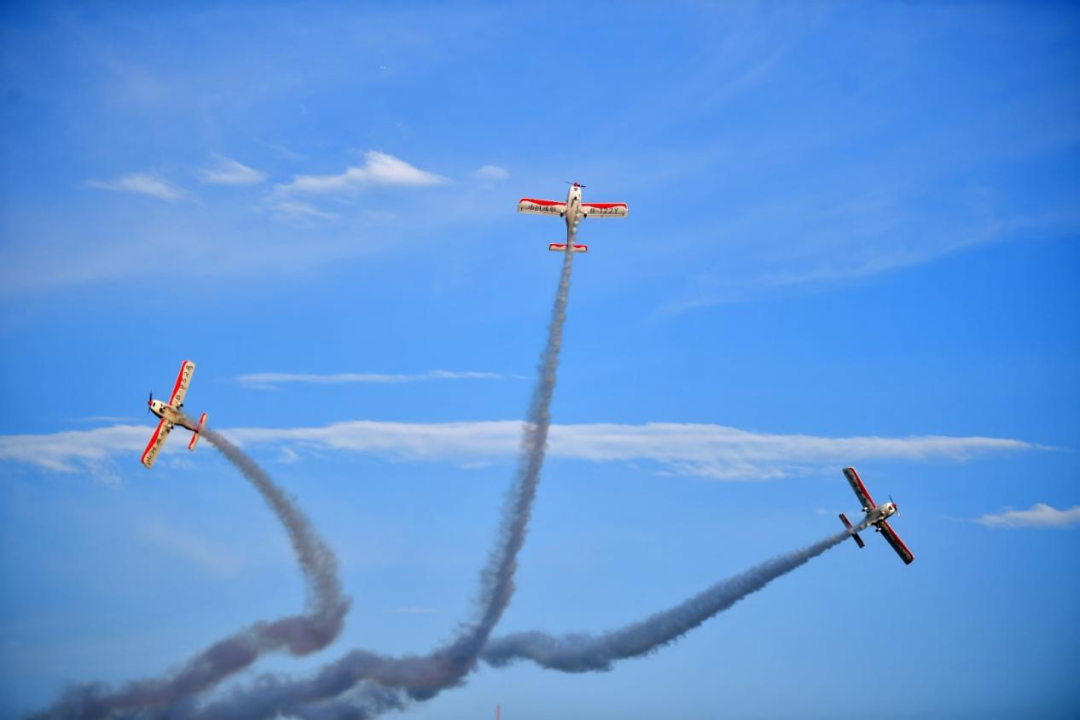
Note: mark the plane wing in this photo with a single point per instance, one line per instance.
(182, 382)
(868, 503)
(897, 544)
(542, 207)
(604, 209)
(156, 442)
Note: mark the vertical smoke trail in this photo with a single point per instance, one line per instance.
(303, 634)
(585, 653)
(343, 689)
(299, 635)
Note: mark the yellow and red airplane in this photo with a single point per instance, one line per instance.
(574, 211)
(171, 415)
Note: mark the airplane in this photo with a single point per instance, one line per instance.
(170, 414)
(574, 211)
(876, 515)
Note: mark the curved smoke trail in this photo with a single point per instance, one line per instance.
(299, 635)
(589, 653)
(360, 684)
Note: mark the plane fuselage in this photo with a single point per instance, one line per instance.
(173, 415)
(573, 211)
(881, 512)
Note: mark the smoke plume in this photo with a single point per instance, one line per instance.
(346, 688)
(588, 653)
(298, 635)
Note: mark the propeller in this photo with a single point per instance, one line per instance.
(574, 183)
(150, 402)
(897, 507)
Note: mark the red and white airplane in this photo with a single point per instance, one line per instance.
(876, 515)
(171, 415)
(574, 211)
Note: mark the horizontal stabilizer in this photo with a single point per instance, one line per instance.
(561, 247)
(855, 536)
(195, 435)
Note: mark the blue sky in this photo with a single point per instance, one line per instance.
(852, 240)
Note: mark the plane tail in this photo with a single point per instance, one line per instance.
(561, 247)
(195, 435)
(854, 535)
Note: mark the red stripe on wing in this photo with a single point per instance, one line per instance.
(603, 205)
(179, 378)
(862, 487)
(153, 441)
(898, 545)
(542, 202)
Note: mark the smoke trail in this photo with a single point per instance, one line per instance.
(314, 631)
(327, 694)
(299, 635)
(586, 653)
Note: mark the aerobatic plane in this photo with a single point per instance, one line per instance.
(574, 211)
(876, 515)
(171, 414)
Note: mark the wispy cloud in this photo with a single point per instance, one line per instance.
(291, 209)
(103, 419)
(272, 380)
(378, 169)
(1040, 515)
(491, 174)
(142, 183)
(61, 451)
(709, 451)
(707, 291)
(888, 254)
(230, 172)
(242, 252)
(190, 547)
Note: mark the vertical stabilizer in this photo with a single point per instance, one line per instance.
(195, 435)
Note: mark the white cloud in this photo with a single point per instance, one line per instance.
(61, 451)
(231, 172)
(378, 169)
(142, 183)
(288, 456)
(491, 174)
(266, 381)
(1040, 515)
(710, 451)
(294, 209)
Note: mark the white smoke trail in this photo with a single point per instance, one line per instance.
(346, 687)
(298, 635)
(589, 653)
